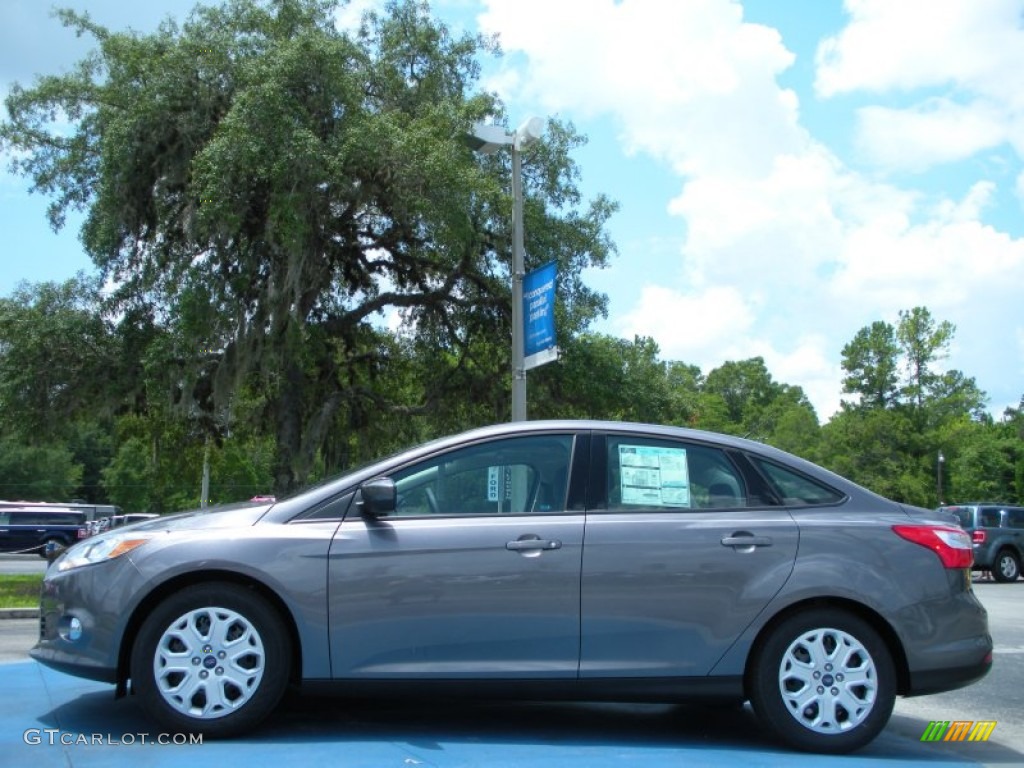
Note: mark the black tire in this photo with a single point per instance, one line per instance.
(807, 649)
(234, 660)
(51, 548)
(1006, 566)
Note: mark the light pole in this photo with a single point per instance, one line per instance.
(938, 471)
(487, 139)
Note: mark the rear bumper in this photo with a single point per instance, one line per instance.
(939, 680)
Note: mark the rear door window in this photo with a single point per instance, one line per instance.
(646, 473)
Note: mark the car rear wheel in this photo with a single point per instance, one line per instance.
(1006, 567)
(823, 681)
(211, 659)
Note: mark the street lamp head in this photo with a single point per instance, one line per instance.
(487, 139)
(528, 132)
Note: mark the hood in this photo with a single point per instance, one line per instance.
(225, 516)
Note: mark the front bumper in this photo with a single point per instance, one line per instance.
(82, 617)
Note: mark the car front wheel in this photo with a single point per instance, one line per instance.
(823, 681)
(211, 659)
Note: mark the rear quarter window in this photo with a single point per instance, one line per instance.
(989, 517)
(795, 489)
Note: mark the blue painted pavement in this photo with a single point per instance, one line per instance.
(52, 720)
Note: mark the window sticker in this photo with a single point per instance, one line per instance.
(654, 476)
(499, 483)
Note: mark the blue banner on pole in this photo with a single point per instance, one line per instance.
(539, 316)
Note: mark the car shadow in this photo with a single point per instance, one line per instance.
(574, 730)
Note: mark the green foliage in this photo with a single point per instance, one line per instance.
(37, 472)
(870, 362)
(890, 438)
(129, 479)
(57, 356)
(269, 186)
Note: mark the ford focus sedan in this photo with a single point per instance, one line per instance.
(540, 560)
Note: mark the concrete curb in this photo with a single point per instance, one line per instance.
(19, 613)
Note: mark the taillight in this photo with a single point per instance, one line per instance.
(952, 545)
(978, 537)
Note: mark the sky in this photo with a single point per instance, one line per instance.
(788, 171)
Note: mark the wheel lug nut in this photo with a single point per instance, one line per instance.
(817, 675)
(221, 655)
(828, 667)
(835, 691)
(839, 677)
(219, 670)
(203, 674)
(821, 689)
(195, 661)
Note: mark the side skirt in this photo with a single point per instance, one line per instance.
(634, 690)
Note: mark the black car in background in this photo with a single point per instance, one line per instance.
(32, 529)
(997, 532)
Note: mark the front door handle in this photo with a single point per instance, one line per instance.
(742, 541)
(526, 545)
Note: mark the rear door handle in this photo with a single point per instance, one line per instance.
(748, 541)
(524, 545)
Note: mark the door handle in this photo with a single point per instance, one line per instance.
(521, 545)
(742, 540)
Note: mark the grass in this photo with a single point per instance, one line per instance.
(20, 591)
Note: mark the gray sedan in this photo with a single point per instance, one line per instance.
(545, 560)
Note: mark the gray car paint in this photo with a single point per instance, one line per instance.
(339, 585)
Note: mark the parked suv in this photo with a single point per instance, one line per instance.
(997, 531)
(31, 529)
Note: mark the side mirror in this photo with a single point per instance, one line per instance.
(377, 497)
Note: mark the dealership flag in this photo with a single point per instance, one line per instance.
(539, 317)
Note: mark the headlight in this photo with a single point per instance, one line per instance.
(100, 548)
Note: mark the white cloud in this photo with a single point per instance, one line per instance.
(933, 132)
(949, 260)
(689, 83)
(695, 327)
(912, 44)
(971, 52)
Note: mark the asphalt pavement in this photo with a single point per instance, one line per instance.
(50, 719)
(22, 564)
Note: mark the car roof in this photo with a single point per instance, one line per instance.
(45, 510)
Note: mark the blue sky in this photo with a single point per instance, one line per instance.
(788, 171)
